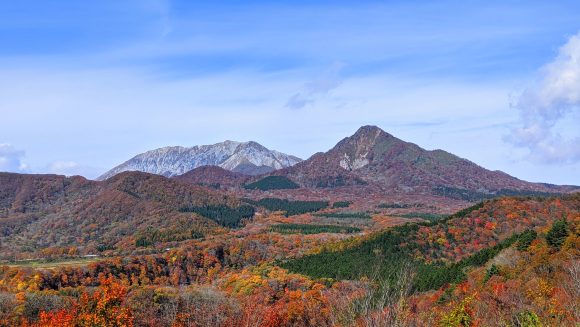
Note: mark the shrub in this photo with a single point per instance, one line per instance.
(491, 271)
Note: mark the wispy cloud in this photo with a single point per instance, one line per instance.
(318, 87)
(553, 99)
(11, 159)
(70, 168)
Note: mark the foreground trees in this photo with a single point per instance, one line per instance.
(408, 276)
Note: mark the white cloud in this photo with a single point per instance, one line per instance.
(545, 106)
(316, 88)
(11, 159)
(71, 168)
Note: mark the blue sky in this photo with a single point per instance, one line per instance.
(85, 86)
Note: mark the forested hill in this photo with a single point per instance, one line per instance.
(441, 249)
(50, 215)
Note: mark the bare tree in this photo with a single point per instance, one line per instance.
(7, 305)
(381, 304)
(206, 306)
(37, 302)
(573, 286)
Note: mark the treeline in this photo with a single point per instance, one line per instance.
(338, 181)
(151, 236)
(171, 268)
(290, 208)
(312, 229)
(222, 214)
(272, 183)
(394, 206)
(341, 204)
(459, 214)
(474, 196)
(424, 215)
(344, 215)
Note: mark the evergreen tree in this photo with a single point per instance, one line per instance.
(557, 234)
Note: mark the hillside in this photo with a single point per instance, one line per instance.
(42, 214)
(213, 176)
(446, 241)
(249, 158)
(506, 262)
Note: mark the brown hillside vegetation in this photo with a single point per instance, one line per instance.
(41, 213)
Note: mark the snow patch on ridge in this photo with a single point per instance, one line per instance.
(177, 160)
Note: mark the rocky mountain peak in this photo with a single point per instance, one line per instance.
(356, 151)
(369, 129)
(372, 156)
(249, 158)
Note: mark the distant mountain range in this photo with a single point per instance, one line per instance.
(249, 158)
(371, 158)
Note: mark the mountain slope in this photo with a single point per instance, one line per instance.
(373, 157)
(248, 158)
(43, 212)
(213, 176)
(446, 241)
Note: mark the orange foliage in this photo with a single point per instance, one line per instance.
(103, 308)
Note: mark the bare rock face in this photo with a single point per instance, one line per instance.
(248, 158)
(350, 165)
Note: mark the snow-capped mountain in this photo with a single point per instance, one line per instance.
(249, 158)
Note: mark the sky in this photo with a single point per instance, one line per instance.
(85, 86)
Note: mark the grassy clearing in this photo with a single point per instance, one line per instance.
(47, 264)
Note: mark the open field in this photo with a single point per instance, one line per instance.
(47, 264)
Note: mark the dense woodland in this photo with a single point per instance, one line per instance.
(272, 183)
(222, 214)
(290, 208)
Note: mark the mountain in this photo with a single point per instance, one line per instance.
(376, 158)
(213, 176)
(248, 158)
(40, 212)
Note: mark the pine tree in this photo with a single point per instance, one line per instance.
(557, 234)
